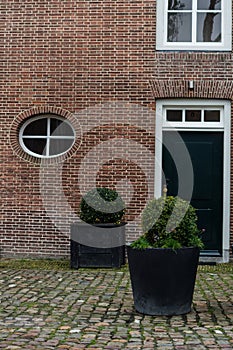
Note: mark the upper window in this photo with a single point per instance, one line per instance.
(194, 25)
(46, 136)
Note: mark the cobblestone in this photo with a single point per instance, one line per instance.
(93, 309)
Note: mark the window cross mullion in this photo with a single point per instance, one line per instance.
(48, 137)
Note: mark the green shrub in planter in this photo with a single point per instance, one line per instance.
(99, 240)
(102, 205)
(169, 222)
(163, 261)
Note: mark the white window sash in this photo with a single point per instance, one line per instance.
(46, 137)
(226, 25)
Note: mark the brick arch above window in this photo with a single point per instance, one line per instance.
(40, 111)
(208, 89)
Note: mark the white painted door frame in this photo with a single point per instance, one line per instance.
(224, 126)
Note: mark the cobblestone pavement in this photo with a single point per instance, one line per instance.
(93, 309)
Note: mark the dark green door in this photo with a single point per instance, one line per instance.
(206, 154)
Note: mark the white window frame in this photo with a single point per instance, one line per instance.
(223, 126)
(161, 30)
(193, 124)
(48, 137)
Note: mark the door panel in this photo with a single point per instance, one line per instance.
(202, 161)
(206, 153)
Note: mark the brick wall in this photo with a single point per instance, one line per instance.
(93, 62)
(80, 60)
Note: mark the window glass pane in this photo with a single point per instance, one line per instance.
(179, 27)
(209, 4)
(179, 5)
(212, 116)
(37, 146)
(60, 128)
(209, 27)
(36, 128)
(59, 146)
(54, 123)
(174, 116)
(192, 116)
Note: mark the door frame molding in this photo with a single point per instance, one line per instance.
(225, 127)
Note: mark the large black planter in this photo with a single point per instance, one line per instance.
(163, 279)
(100, 245)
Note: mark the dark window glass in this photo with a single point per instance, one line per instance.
(174, 116)
(209, 27)
(59, 146)
(179, 27)
(212, 116)
(60, 128)
(179, 5)
(192, 116)
(54, 124)
(37, 146)
(209, 4)
(37, 127)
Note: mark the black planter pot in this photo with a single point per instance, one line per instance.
(163, 279)
(100, 245)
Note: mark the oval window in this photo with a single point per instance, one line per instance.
(46, 136)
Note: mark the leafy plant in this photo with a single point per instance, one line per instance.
(102, 205)
(169, 222)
